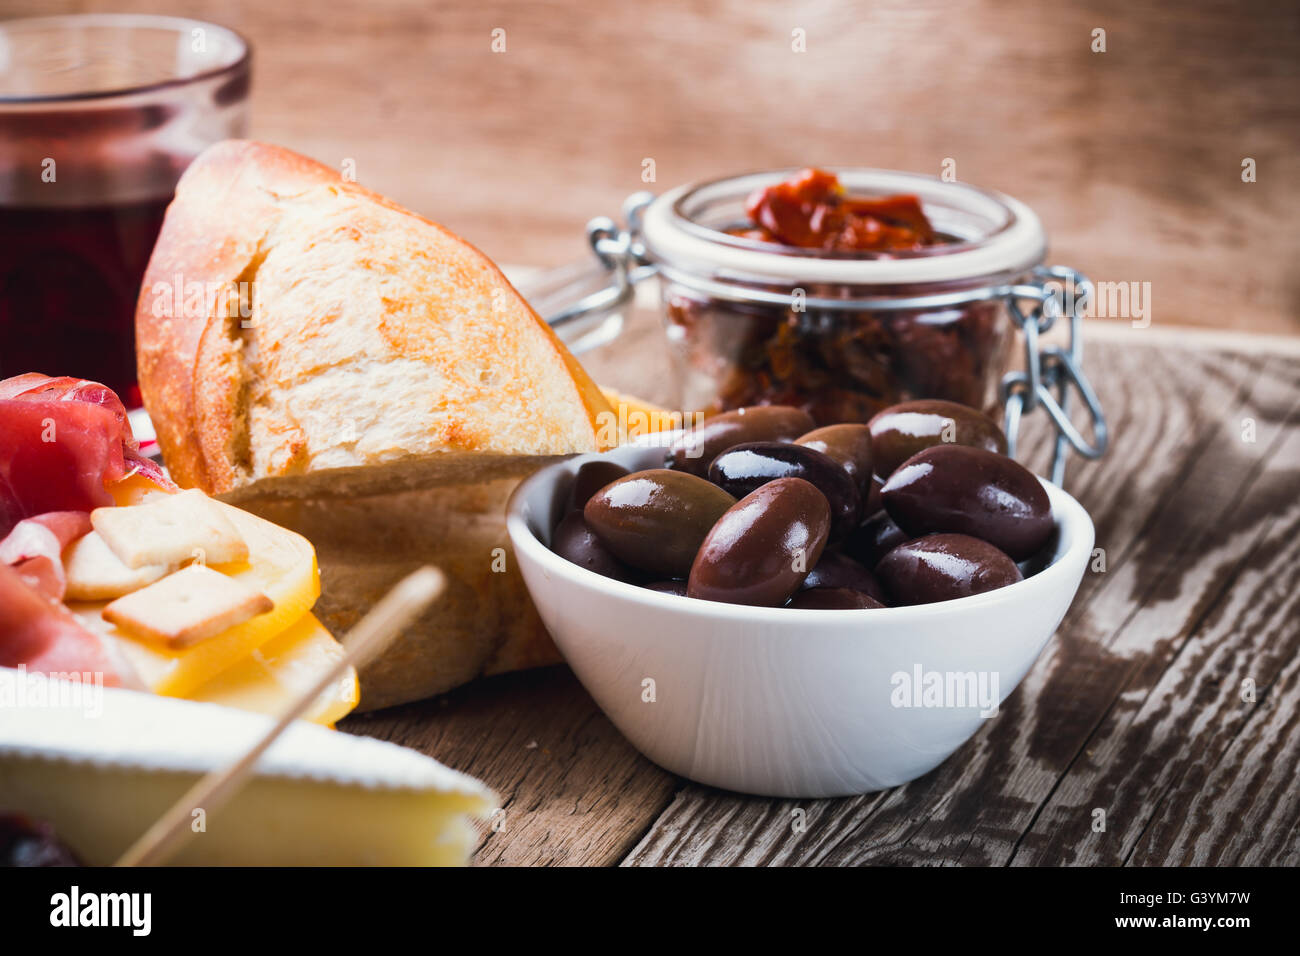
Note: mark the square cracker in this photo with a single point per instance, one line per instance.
(170, 530)
(94, 573)
(187, 607)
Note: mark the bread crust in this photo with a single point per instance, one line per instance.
(262, 229)
(485, 623)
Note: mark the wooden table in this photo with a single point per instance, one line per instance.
(1135, 707)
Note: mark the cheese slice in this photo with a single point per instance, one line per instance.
(101, 765)
(135, 489)
(639, 417)
(283, 668)
(95, 573)
(281, 565)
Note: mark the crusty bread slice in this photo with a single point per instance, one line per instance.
(357, 373)
(300, 335)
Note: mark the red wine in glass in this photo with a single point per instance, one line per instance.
(99, 116)
(69, 281)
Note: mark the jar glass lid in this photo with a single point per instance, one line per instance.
(991, 233)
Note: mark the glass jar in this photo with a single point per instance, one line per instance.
(840, 334)
(844, 334)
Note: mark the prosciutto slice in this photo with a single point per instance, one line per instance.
(45, 637)
(35, 549)
(62, 441)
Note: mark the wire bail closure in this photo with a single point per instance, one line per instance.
(1051, 373)
(1050, 376)
(621, 253)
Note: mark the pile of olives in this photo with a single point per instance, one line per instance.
(759, 506)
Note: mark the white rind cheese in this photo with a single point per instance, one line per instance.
(101, 765)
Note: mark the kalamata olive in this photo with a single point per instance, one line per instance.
(760, 551)
(835, 571)
(695, 450)
(655, 520)
(940, 567)
(873, 503)
(833, 599)
(742, 468)
(900, 431)
(875, 538)
(591, 477)
(1041, 559)
(669, 587)
(848, 444)
(574, 541)
(970, 491)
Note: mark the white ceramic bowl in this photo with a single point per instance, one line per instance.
(780, 702)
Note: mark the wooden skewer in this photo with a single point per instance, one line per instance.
(372, 634)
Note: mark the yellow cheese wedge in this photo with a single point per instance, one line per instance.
(135, 490)
(283, 668)
(281, 564)
(639, 417)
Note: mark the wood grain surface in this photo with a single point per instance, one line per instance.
(1132, 156)
(1135, 707)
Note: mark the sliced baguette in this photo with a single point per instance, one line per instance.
(301, 335)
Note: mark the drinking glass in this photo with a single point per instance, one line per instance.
(99, 116)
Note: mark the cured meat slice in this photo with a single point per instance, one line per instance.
(62, 440)
(34, 548)
(45, 637)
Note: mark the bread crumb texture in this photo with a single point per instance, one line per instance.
(369, 335)
(369, 345)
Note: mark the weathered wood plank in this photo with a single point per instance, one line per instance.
(1253, 784)
(574, 792)
(1167, 480)
(1231, 616)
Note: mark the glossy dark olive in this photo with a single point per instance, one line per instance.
(574, 541)
(837, 571)
(848, 444)
(875, 538)
(760, 551)
(591, 477)
(970, 491)
(743, 468)
(695, 450)
(900, 431)
(833, 599)
(655, 520)
(873, 504)
(669, 587)
(940, 567)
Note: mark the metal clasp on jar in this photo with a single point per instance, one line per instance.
(1052, 373)
(584, 299)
